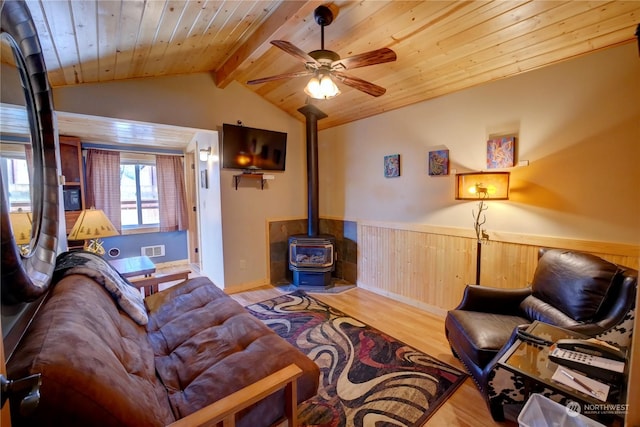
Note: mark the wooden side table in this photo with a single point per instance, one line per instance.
(533, 369)
(134, 266)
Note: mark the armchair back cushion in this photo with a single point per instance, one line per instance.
(574, 283)
(536, 309)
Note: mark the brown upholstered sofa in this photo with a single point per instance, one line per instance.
(572, 290)
(191, 362)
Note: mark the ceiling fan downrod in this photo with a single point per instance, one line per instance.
(323, 16)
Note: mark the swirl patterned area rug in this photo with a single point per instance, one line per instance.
(367, 378)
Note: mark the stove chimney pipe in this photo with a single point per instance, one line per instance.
(312, 114)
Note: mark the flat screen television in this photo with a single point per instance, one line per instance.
(253, 149)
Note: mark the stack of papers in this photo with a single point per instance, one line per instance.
(581, 383)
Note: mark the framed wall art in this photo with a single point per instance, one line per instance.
(501, 152)
(204, 179)
(392, 165)
(439, 162)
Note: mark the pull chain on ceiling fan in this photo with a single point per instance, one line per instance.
(322, 64)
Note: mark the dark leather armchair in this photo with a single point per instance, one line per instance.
(572, 290)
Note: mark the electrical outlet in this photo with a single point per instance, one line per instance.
(243, 264)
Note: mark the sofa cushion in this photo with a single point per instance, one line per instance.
(208, 346)
(96, 363)
(480, 335)
(574, 283)
(536, 309)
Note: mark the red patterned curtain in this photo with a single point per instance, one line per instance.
(171, 193)
(103, 183)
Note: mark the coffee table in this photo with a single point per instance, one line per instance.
(530, 362)
(134, 266)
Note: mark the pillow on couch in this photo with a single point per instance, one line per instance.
(127, 296)
(574, 283)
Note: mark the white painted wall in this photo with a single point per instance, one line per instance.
(211, 244)
(579, 127)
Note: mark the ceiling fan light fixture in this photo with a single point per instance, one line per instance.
(321, 87)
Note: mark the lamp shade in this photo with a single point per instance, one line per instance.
(21, 226)
(92, 224)
(482, 185)
(321, 87)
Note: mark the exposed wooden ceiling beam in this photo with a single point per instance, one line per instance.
(281, 21)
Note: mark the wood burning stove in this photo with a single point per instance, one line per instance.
(312, 256)
(312, 259)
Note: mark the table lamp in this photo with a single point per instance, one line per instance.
(481, 186)
(92, 224)
(21, 226)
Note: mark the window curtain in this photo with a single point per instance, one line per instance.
(28, 155)
(171, 193)
(103, 183)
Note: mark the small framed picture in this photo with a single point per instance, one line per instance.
(439, 162)
(501, 152)
(392, 165)
(204, 179)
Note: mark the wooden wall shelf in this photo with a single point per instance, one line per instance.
(238, 177)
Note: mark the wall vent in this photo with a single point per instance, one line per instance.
(152, 251)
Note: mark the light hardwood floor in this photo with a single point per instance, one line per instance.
(417, 328)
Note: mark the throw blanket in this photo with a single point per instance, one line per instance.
(127, 296)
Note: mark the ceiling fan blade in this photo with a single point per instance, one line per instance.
(378, 56)
(357, 83)
(295, 51)
(280, 77)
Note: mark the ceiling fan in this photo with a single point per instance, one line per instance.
(323, 63)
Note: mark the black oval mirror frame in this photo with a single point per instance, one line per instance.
(25, 278)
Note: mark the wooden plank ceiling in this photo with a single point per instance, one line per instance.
(442, 46)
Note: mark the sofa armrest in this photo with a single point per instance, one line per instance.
(225, 409)
(149, 285)
(492, 300)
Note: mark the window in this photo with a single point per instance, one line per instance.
(138, 195)
(17, 176)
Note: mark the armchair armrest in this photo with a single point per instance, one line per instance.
(149, 285)
(492, 300)
(225, 409)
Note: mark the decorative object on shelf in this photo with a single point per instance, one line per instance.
(205, 154)
(21, 226)
(439, 162)
(93, 224)
(481, 186)
(501, 152)
(392, 165)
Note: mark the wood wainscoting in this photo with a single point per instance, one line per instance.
(430, 266)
